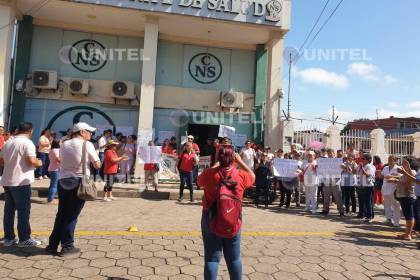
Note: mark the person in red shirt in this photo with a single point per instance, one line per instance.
(378, 198)
(168, 149)
(111, 160)
(188, 159)
(209, 180)
(151, 173)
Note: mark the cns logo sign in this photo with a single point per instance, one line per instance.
(87, 55)
(205, 68)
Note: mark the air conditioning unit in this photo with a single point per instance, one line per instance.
(79, 87)
(44, 79)
(232, 99)
(123, 90)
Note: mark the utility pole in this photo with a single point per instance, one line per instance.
(288, 90)
(334, 118)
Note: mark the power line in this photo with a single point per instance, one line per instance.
(313, 27)
(325, 23)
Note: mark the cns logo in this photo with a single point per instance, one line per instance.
(87, 55)
(205, 68)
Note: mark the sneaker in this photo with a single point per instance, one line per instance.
(368, 220)
(106, 199)
(69, 251)
(39, 178)
(113, 198)
(46, 177)
(29, 243)
(51, 250)
(9, 242)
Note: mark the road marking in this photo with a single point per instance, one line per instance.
(247, 233)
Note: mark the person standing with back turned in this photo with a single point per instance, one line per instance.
(221, 220)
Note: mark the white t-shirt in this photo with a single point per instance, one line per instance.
(388, 188)
(101, 143)
(248, 156)
(17, 171)
(71, 158)
(367, 181)
(310, 177)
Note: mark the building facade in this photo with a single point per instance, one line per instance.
(145, 67)
(391, 123)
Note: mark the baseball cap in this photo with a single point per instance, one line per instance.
(190, 137)
(83, 126)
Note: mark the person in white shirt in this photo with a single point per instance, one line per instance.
(71, 173)
(19, 159)
(348, 183)
(44, 147)
(391, 205)
(366, 175)
(310, 180)
(248, 155)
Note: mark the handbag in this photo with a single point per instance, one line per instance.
(87, 189)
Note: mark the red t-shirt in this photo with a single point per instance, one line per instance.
(187, 162)
(110, 167)
(209, 180)
(1, 142)
(196, 148)
(149, 167)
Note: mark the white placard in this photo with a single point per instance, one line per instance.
(144, 136)
(125, 130)
(162, 135)
(285, 168)
(329, 167)
(226, 131)
(183, 140)
(150, 154)
(168, 170)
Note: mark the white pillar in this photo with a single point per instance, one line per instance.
(377, 138)
(147, 88)
(273, 128)
(7, 18)
(416, 137)
(333, 138)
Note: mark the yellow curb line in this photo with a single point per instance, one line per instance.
(248, 233)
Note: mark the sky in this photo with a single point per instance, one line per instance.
(381, 77)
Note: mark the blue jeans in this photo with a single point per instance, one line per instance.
(17, 198)
(69, 208)
(43, 170)
(365, 195)
(185, 177)
(213, 247)
(53, 185)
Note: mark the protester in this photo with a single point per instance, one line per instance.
(174, 143)
(276, 181)
(378, 198)
(297, 190)
(68, 136)
(288, 186)
(167, 148)
(18, 157)
(366, 174)
(391, 205)
(340, 154)
(270, 155)
(263, 172)
(151, 173)
(129, 150)
(2, 140)
(71, 173)
(213, 210)
(102, 142)
(406, 195)
(417, 204)
(311, 182)
(332, 188)
(54, 170)
(348, 183)
(188, 159)
(190, 139)
(44, 147)
(248, 155)
(111, 160)
(207, 149)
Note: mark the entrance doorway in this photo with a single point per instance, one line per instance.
(202, 132)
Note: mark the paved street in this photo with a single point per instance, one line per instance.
(276, 244)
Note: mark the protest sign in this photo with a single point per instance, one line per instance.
(144, 136)
(168, 170)
(150, 154)
(329, 167)
(226, 131)
(285, 167)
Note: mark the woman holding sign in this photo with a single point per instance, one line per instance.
(186, 164)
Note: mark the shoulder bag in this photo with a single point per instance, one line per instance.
(87, 189)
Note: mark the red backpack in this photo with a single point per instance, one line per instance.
(226, 211)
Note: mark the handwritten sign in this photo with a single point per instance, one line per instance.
(329, 167)
(150, 154)
(285, 168)
(226, 131)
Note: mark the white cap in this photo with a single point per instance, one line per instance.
(83, 126)
(190, 136)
